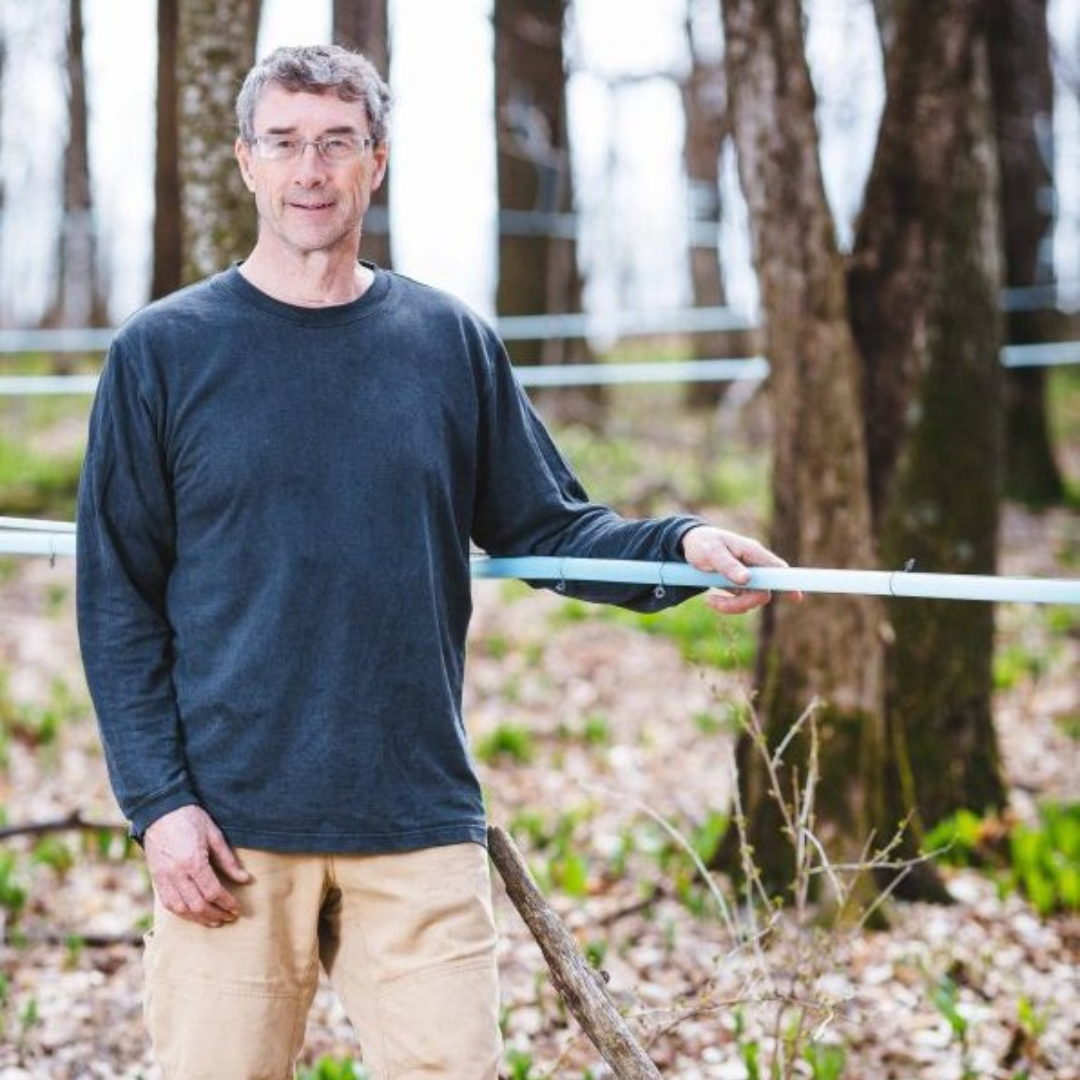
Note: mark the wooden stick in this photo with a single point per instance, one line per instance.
(578, 984)
(73, 822)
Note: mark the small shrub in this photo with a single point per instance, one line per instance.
(507, 741)
(328, 1068)
(1042, 861)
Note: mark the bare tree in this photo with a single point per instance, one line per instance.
(1023, 97)
(828, 648)
(941, 508)
(78, 299)
(863, 354)
(708, 126)
(364, 25)
(167, 275)
(216, 47)
(538, 269)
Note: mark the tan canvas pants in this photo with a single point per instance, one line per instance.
(408, 941)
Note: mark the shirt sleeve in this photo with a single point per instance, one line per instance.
(125, 550)
(529, 502)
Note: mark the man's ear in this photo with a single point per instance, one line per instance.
(382, 159)
(243, 159)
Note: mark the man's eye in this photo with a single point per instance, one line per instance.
(337, 145)
(282, 144)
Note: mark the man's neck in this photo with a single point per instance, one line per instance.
(317, 280)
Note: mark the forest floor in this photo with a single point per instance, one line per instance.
(588, 730)
(604, 742)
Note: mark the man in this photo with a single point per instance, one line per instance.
(285, 467)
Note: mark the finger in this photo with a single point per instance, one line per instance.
(188, 903)
(225, 858)
(214, 896)
(753, 553)
(726, 603)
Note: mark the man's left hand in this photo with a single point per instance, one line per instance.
(719, 551)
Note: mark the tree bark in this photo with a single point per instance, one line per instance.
(898, 235)
(78, 301)
(708, 125)
(364, 25)
(829, 647)
(538, 271)
(1023, 100)
(216, 48)
(168, 266)
(924, 285)
(942, 506)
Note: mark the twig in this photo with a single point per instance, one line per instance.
(73, 822)
(89, 941)
(577, 983)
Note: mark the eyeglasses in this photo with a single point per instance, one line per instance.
(331, 148)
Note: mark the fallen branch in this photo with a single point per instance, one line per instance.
(73, 822)
(578, 984)
(74, 939)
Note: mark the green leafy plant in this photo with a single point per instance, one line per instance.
(328, 1068)
(945, 995)
(520, 1063)
(507, 741)
(1045, 859)
(1041, 860)
(826, 1060)
(12, 888)
(729, 645)
(51, 851)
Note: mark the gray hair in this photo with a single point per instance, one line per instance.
(316, 69)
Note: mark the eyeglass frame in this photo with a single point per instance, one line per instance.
(363, 143)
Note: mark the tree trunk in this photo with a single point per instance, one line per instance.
(898, 236)
(78, 301)
(216, 48)
(167, 273)
(1023, 101)
(708, 125)
(364, 25)
(942, 506)
(538, 271)
(829, 647)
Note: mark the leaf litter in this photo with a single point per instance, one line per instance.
(608, 720)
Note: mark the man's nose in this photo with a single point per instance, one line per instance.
(310, 166)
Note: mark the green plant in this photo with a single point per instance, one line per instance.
(12, 889)
(512, 741)
(520, 1064)
(945, 995)
(328, 1068)
(826, 1060)
(1045, 859)
(1041, 860)
(51, 851)
(729, 645)
(558, 859)
(37, 485)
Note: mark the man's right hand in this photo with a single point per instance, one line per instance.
(185, 850)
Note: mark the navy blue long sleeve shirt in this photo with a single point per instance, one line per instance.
(274, 526)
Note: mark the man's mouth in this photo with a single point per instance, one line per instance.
(311, 206)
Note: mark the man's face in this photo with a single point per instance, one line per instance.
(307, 204)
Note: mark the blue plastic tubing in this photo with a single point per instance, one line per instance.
(59, 539)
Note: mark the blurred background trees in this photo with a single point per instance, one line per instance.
(366, 26)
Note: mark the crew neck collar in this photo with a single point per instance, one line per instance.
(331, 315)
